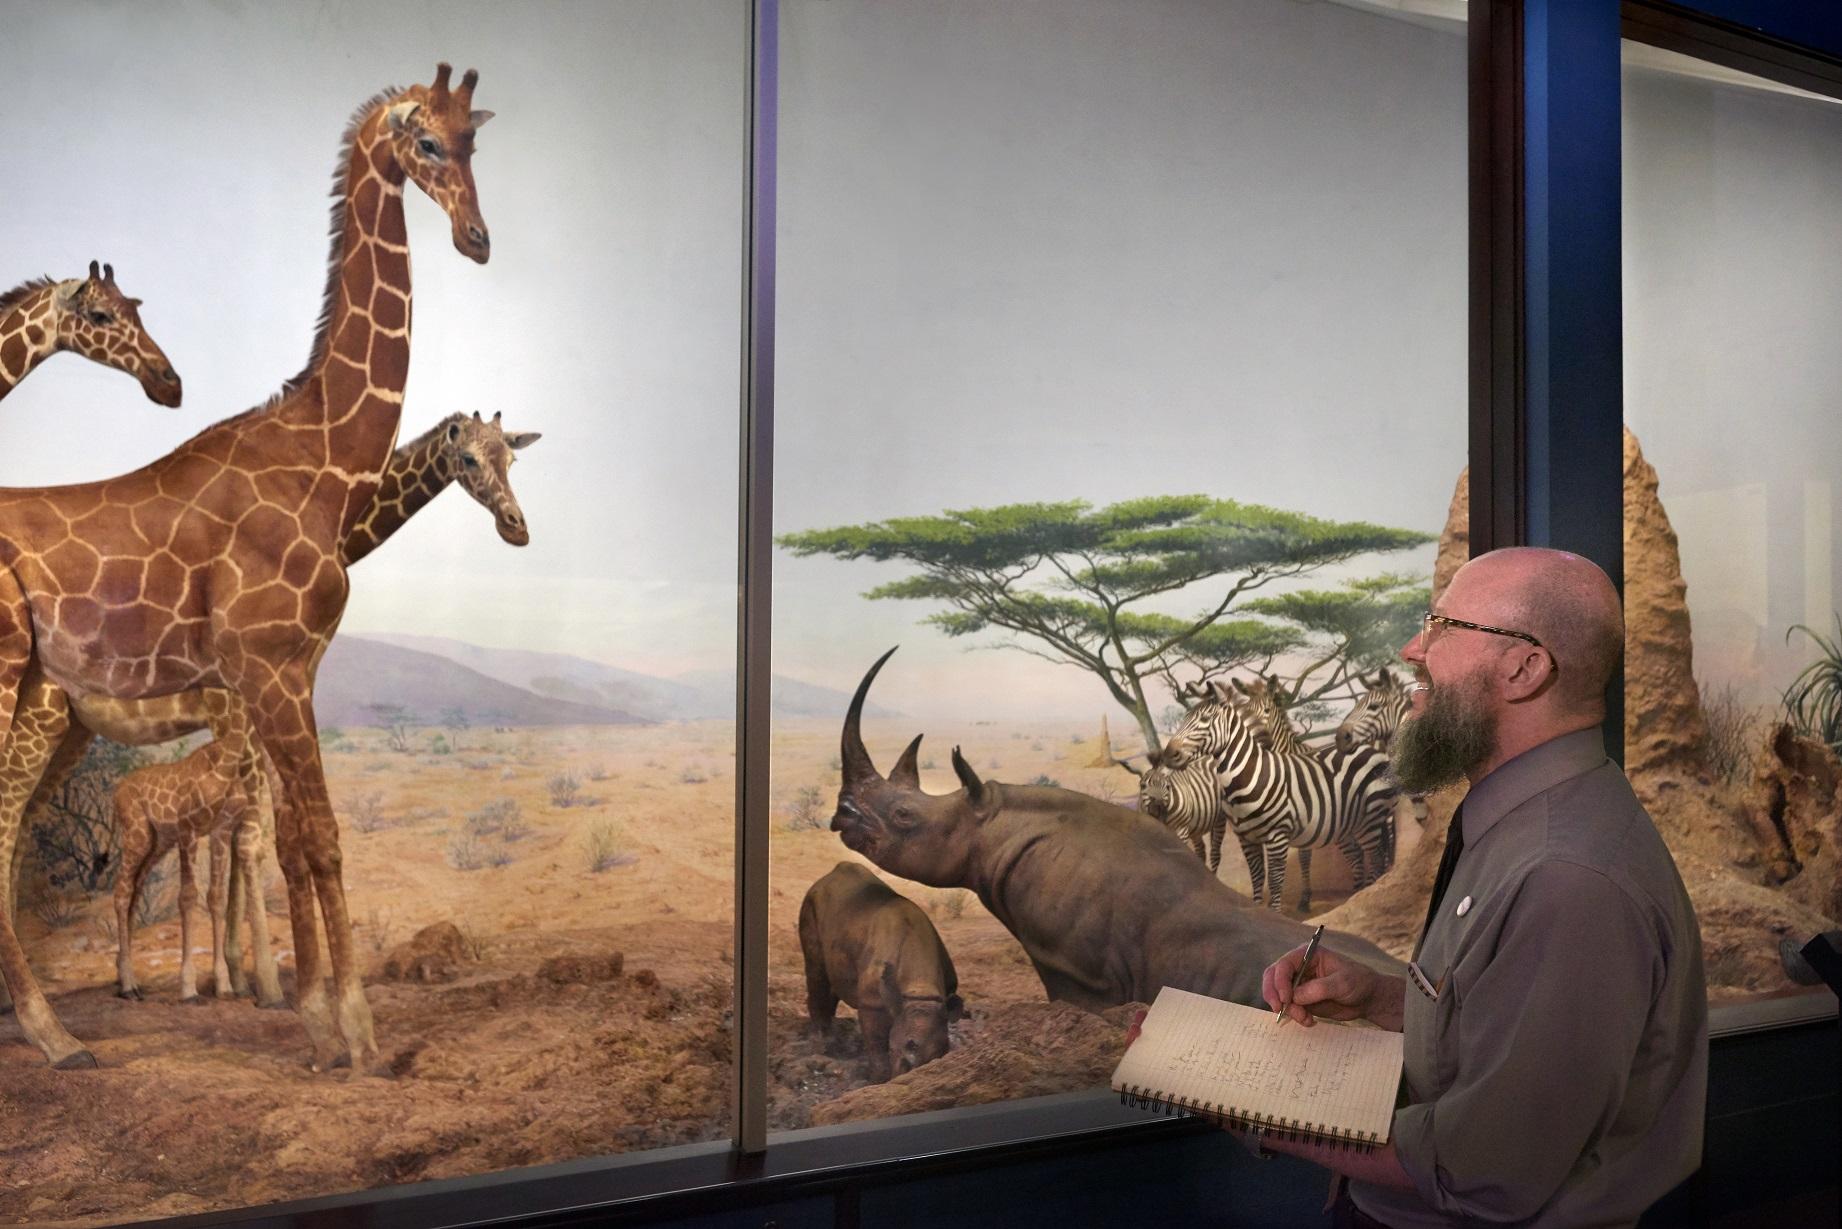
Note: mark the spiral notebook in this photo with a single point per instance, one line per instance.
(1331, 1083)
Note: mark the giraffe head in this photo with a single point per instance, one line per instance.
(478, 455)
(431, 134)
(96, 320)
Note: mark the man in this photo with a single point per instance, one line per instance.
(1555, 1013)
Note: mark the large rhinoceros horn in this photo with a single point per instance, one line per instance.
(851, 752)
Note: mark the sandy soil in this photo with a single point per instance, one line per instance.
(522, 1058)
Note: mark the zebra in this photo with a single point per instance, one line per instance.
(1378, 713)
(1274, 800)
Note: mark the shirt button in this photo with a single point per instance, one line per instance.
(1464, 906)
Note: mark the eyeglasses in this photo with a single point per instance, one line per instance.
(1429, 621)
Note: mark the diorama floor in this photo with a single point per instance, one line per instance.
(537, 1050)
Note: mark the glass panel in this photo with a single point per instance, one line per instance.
(1095, 330)
(1734, 658)
(528, 751)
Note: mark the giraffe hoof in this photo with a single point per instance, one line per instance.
(196, 1000)
(76, 1060)
(133, 994)
(271, 1004)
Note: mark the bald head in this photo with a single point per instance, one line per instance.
(1565, 601)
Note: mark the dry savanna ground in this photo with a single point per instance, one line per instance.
(550, 851)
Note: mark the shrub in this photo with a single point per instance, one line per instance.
(1732, 730)
(692, 774)
(503, 817)
(601, 848)
(565, 790)
(366, 812)
(1043, 778)
(807, 810)
(465, 853)
(438, 745)
(75, 841)
(597, 772)
(1813, 701)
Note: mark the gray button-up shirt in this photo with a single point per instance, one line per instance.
(1560, 1078)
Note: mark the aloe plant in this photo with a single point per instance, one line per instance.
(1813, 701)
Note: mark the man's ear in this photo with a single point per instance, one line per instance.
(1532, 674)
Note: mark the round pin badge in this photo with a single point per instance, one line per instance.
(1464, 906)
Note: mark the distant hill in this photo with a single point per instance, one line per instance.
(577, 680)
(359, 672)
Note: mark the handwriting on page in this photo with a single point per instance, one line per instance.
(1250, 1057)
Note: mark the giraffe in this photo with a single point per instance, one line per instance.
(475, 453)
(218, 564)
(89, 316)
(211, 794)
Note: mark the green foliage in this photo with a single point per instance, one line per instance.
(1813, 701)
(1074, 584)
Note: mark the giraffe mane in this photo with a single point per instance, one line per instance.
(25, 290)
(335, 260)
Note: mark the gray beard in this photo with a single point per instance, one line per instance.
(1455, 734)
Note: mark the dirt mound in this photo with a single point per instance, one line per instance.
(433, 954)
(583, 969)
(1729, 843)
(1023, 1050)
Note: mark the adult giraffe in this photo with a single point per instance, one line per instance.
(470, 452)
(218, 565)
(88, 316)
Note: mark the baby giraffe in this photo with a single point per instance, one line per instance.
(210, 793)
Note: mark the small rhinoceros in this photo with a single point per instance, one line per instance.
(877, 951)
(1107, 903)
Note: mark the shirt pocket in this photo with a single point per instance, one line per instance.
(1432, 1035)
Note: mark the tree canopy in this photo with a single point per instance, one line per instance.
(1081, 586)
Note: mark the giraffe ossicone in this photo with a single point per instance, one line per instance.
(87, 316)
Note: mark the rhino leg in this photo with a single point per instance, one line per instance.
(821, 999)
(875, 1023)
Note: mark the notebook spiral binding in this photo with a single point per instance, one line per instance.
(1135, 1097)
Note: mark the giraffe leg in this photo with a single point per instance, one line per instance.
(64, 761)
(233, 936)
(33, 718)
(218, 902)
(138, 855)
(188, 904)
(307, 832)
(248, 868)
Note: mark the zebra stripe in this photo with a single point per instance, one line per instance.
(1277, 800)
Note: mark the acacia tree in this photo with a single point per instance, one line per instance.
(1080, 586)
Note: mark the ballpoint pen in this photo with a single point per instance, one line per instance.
(1311, 949)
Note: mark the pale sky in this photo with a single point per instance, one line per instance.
(1027, 252)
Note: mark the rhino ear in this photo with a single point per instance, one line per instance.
(956, 1008)
(905, 773)
(975, 788)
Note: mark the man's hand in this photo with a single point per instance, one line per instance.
(1336, 988)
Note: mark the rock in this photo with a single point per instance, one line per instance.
(1792, 805)
(1023, 1050)
(575, 968)
(434, 954)
(1783, 828)
(1664, 728)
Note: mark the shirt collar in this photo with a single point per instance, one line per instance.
(1539, 768)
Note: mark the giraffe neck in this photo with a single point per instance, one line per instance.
(418, 471)
(360, 360)
(28, 331)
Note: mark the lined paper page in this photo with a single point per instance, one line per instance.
(1198, 1049)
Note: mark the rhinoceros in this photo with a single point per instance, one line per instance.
(1108, 904)
(874, 948)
